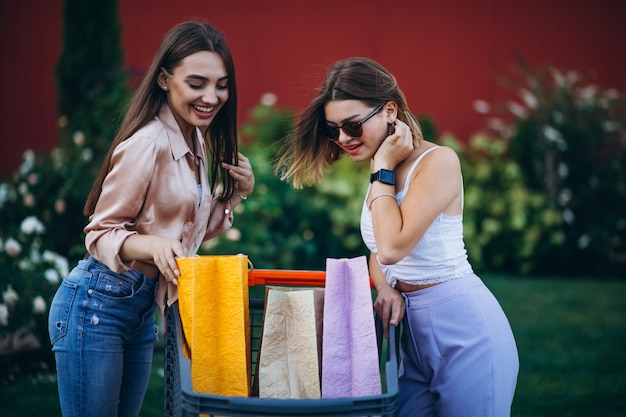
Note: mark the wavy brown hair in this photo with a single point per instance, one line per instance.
(183, 40)
(308, 153)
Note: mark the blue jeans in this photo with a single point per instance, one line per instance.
(102, 330)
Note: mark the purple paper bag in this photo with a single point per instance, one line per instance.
(350, 363)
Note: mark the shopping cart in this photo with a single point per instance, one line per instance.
(182, 400)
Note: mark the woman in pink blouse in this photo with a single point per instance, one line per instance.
(169, 182)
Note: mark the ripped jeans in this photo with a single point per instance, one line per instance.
(102, 330)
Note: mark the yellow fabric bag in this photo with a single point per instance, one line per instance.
(213, 305)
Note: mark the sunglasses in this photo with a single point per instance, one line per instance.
(352, 129)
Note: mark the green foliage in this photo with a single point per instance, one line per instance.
(569, 139)
(91, 60)
(506, 224)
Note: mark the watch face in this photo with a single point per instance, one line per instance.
(387, 177)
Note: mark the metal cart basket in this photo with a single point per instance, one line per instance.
(181, 400)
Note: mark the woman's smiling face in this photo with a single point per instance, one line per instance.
(374, 130)
(197, 90)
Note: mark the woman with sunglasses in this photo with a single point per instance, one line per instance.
(171, 179)
(459, 356)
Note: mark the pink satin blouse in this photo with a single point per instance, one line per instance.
(151, 189)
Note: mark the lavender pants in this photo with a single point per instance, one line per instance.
(459, 356)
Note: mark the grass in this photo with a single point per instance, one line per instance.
(570, 335)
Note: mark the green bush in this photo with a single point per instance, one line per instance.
(505, 223)
(569, 139)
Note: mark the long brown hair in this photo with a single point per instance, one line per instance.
(308, 152)
(183, 40)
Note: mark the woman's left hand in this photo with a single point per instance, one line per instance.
(242, 173)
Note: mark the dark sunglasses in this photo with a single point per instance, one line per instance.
(352, 129)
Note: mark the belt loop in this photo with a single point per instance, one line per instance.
(407, 301)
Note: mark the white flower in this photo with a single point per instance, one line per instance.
(60, 263)
(52, 276)
(28, 161)
(32, 225)
(39, 305)
(78, 138)
(269, 99)
(553, 135)
(565, 196)
(568, 216)
(572, 76)
(87, 154)
(529, 98)
(10, 297)
(583, 241)
(233, 234)
(588, 93)
(12, 247)
(22, 188)
(481, 106)
(4, 315)
(517, 109)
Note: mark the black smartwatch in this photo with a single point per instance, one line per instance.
(385, 176)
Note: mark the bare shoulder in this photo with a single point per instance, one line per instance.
(442, 157)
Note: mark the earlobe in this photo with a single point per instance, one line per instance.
(391, 112)
(162, 79)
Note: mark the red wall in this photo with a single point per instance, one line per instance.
(445, 54)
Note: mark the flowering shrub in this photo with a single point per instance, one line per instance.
(505, 224)
(29, 270)
(568, 137)
(41, 237)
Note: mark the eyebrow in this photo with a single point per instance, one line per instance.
(202, 78)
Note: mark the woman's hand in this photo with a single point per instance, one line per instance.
(165, 252)
(395, 148)
(389, 306)
(243, 174)
(162, 251)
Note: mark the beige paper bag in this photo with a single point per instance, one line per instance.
(290, 351)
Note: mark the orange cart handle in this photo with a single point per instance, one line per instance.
(288, 277)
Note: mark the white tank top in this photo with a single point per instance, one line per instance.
(438, 257)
